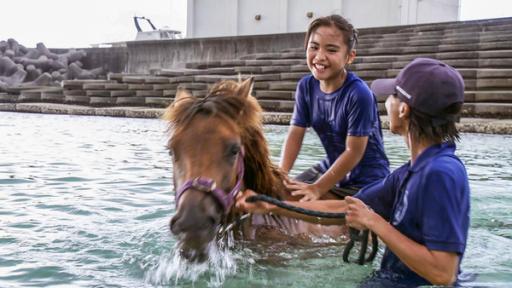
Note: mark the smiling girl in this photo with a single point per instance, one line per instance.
(343, 112)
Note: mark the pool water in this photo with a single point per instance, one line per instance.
(85, 202)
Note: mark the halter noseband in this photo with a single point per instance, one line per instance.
(208, 185)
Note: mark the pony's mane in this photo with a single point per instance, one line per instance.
(230, 100)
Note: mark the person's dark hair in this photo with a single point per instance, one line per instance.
(348, 31)
(423, 126)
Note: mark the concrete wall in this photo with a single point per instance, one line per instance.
(429, 11)
(207, 18)
(146, 55)
(296, 12)
(268, 10)
(372, 13)
(114, 59)
(437, 11)
(238, 17)
(220, 14)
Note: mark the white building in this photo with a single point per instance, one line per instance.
(213, 18)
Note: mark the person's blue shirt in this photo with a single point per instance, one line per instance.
(350, 110)
(428, 202)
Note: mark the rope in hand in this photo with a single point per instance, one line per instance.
(355, 235)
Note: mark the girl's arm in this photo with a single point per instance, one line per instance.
(291, 147)
(354, 151)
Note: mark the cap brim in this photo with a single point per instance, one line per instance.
(384, 87)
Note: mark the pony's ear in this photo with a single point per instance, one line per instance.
(245, 88)
(181, 98)
(181, 94)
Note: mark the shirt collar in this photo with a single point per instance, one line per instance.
(350, 77)
(431, 152)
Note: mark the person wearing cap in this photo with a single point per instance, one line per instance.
(421, 210)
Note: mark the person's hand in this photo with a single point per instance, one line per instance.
(308, 191)
(358, 215)
(258, 207)
(283, 172)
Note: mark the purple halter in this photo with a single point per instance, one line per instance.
(208, 185)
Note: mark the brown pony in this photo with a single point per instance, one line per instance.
(218, 148)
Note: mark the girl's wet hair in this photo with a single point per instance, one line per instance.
(348, 31)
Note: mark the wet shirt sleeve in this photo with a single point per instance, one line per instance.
(445, 214)
(301, 114)
(361, 116)
(380, 195)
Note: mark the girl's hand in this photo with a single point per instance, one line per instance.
(359, 216)
(309, 192)
(258, 207)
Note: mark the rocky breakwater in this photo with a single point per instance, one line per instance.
(27, 74)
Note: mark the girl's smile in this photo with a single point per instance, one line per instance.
(327, 55)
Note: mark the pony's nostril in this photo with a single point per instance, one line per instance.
(212, 221)
(173, 225)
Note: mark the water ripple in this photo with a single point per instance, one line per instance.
(90, 207)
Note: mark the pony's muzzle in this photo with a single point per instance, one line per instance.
(183, 224)
(195, 223)
(198, 213)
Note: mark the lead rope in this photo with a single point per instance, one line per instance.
(355, 235)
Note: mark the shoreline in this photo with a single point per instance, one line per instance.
(466, 125)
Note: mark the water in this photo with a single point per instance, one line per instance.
(85, 202)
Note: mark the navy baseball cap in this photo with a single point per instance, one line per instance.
(426, 85)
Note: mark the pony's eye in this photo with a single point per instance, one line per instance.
(173, 155)
(233, 150)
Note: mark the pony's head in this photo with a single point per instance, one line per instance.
(212, 141)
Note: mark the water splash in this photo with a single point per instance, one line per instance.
(173, 268)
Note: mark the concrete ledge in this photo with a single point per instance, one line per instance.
(468, 125)
(8, 107)
(9, 98)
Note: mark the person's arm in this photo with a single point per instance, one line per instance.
(354, 151)
(438, 267)
(291, 147)
(301, 119)
(344, 164)
(332, 206)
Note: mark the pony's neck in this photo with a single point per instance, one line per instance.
(261, 175)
